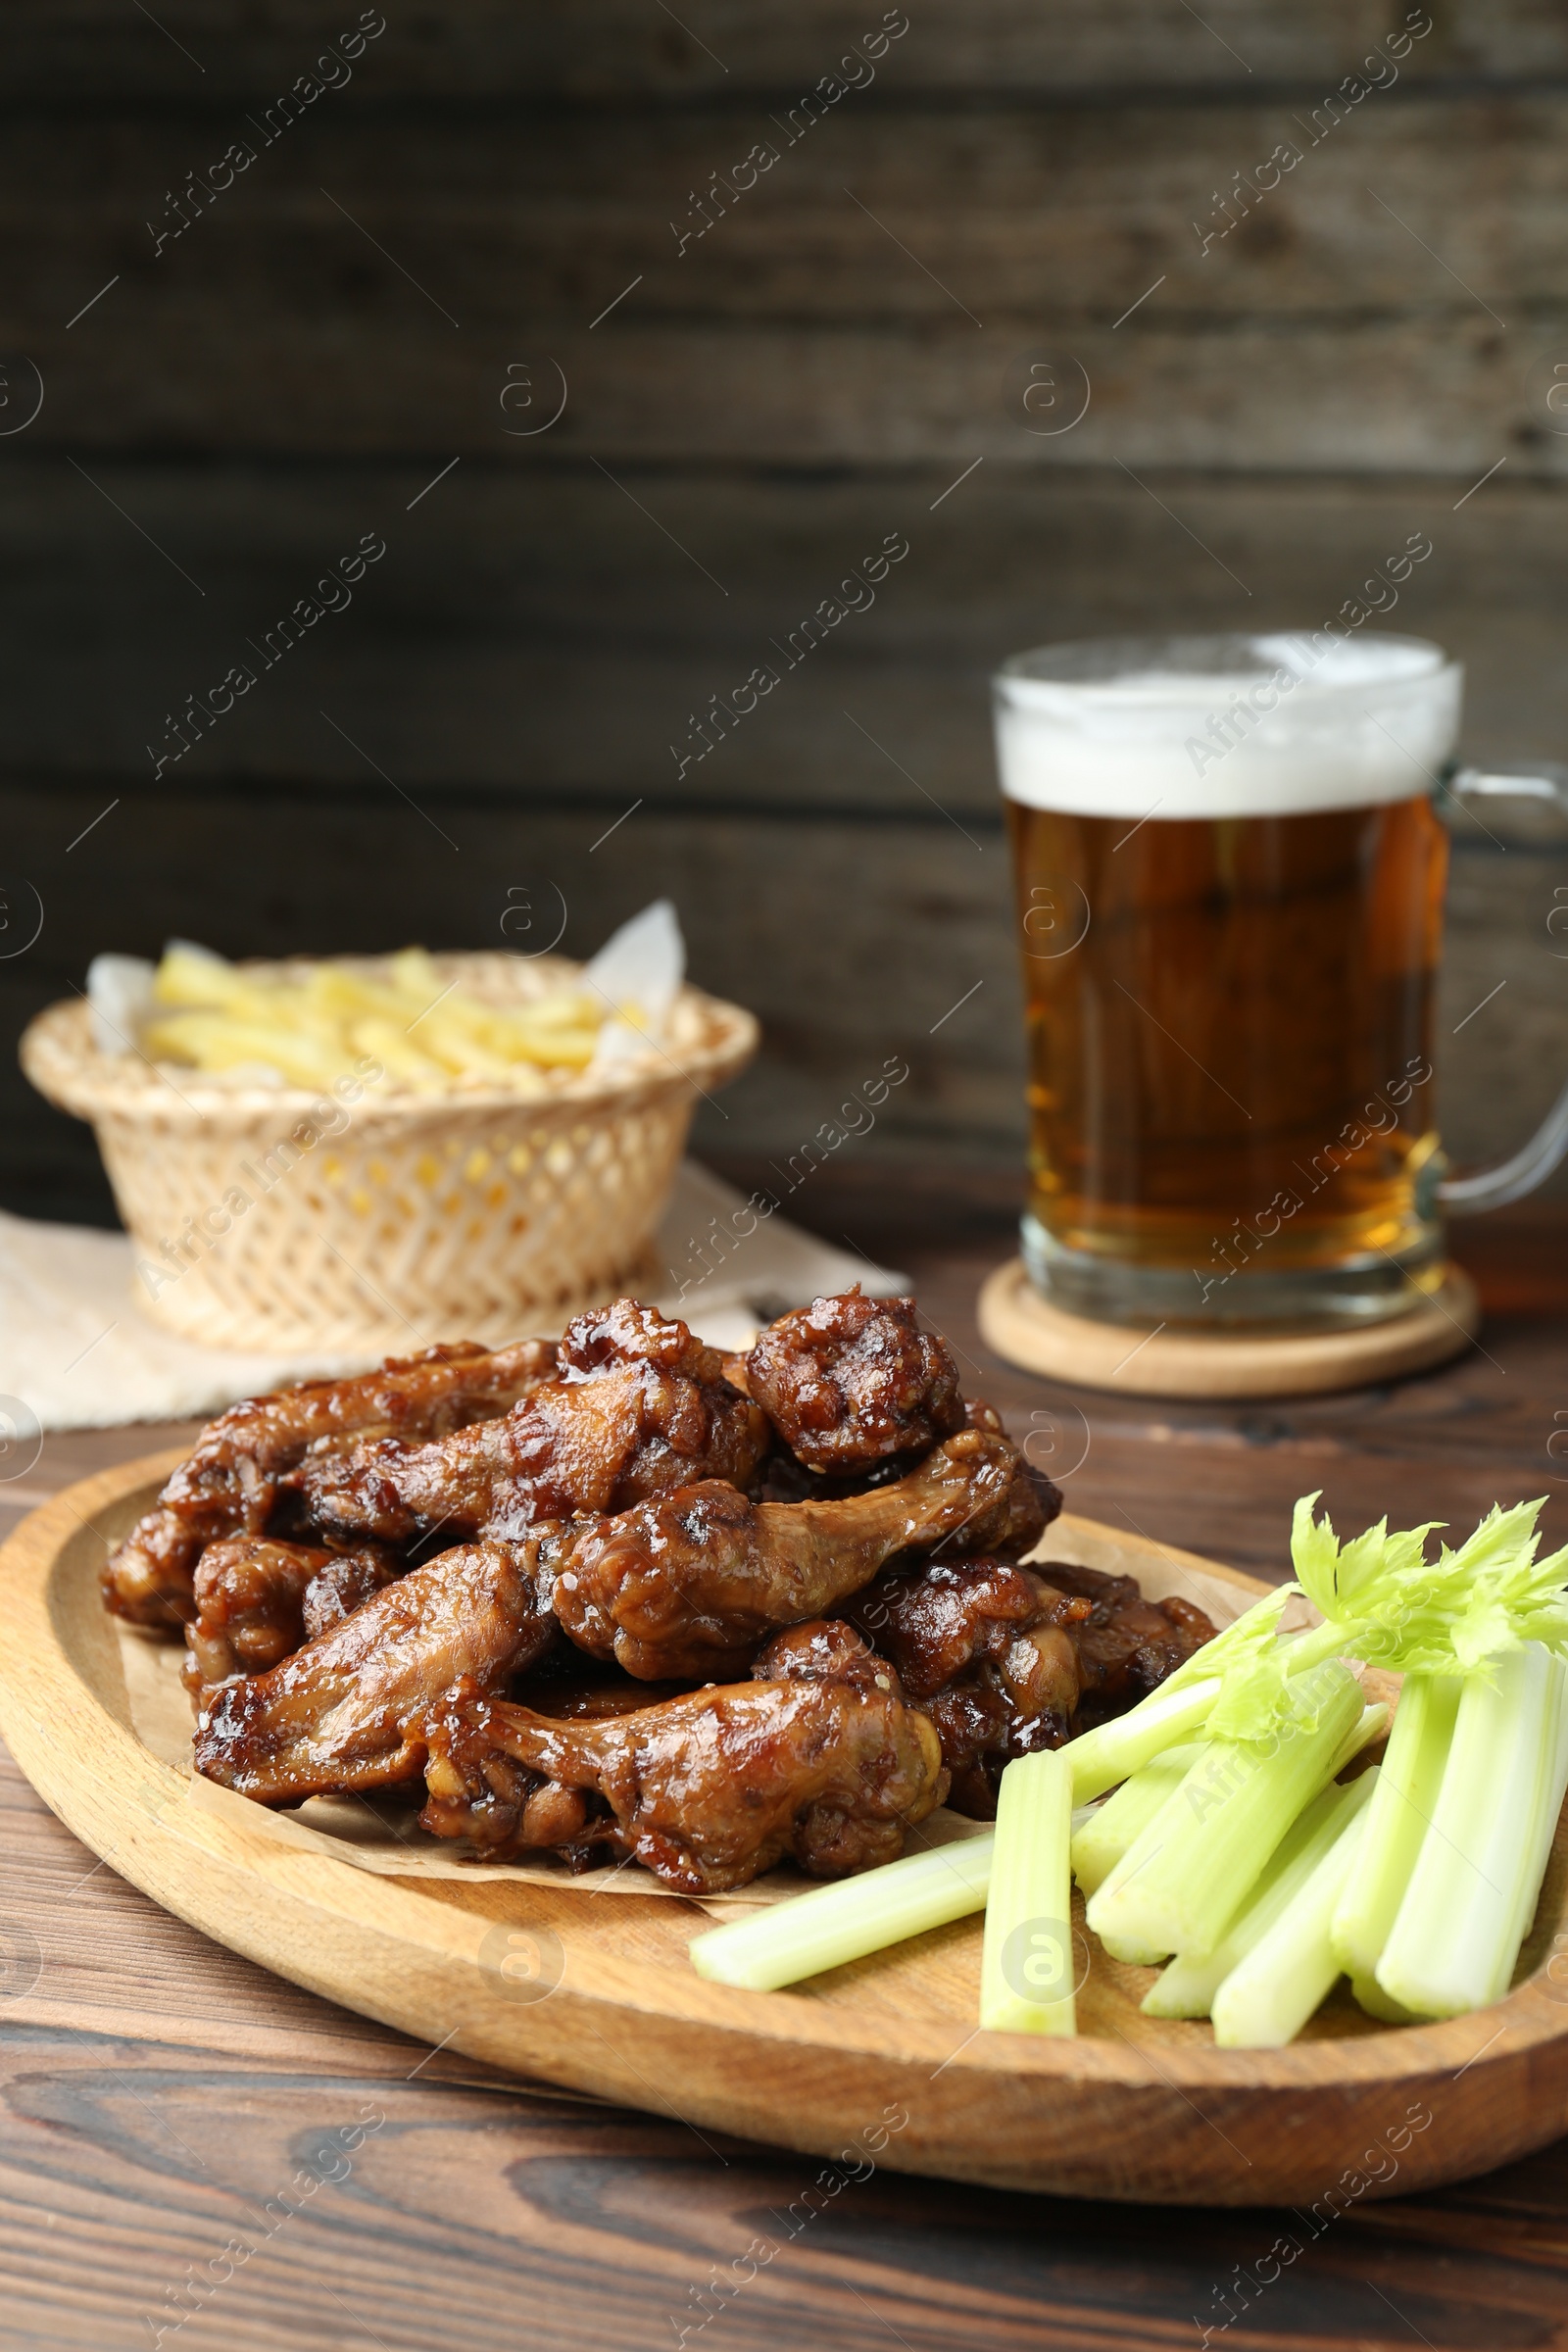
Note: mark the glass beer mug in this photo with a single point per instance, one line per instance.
(1230, 869)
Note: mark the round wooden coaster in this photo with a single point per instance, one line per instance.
(1020, 1325)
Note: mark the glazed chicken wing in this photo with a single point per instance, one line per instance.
(640, 1407)
(672, 1590)
(607, 1339)
(256, 1600)
(848, 1381)
(568, 1684)
(933, 1619)
(689, 1584)
(1125, 1644)
(347, 1711)
(819, 1757)
(228, 1483)
(346, 1583)
(783, 1478)
(671, 1512)
(1006, 1660)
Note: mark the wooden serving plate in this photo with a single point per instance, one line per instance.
(881, 2057)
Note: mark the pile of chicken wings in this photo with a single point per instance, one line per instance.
(623, 1596)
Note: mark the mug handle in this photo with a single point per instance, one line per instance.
(1511, 1178)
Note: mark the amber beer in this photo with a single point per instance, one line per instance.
(1228, 1008)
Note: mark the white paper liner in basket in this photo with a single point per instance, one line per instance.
(469, 1209)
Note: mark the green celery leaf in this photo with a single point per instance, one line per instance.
(1396, 1608)
(1247, 1637)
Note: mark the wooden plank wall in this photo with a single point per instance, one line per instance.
(478, 215)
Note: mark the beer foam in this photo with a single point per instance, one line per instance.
(1238, 726)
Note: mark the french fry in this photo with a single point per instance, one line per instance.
(217, 1041)
(422, 1029)
(564, 1049)
(390, 1044)
(340, 996)
(189, 977)
(563, 1008)
(455, 1043)
(415, 975)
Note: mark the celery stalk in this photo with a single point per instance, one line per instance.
(1026, 1967)
(1456, 1935)
(1120, 1941)
(1554, 1782)
(1401, 1813)
(1188, 1986)
(1141, 1813)
(1370, 1996)
(844, 1922)
(1134, 1953)
(1372, 1726)
(1111, 1827)
(1179, 1885)
(1269, 1996)
(1113, 1751)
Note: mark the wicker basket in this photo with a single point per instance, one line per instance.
(272, 1218)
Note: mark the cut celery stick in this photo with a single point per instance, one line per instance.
(1136, 1955)
(1458, 1931)
(1372, 1723)
(1098, 1911)
(1124, 1945)
(1027, 1967)
(1401, 1813)
(1554, 1786)
(1183, 1880)
(1370, 1996)
(1111, 1827)
(844, 1922)
(1269, 1996)
(1372, 1726)
(1187, 1989)
(1113, 1751)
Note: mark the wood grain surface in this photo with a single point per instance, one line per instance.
(158, 2092)
(838, 865)
(870, 301)
(492, 49)
(482, 644)
(531, 644)
(325, 349)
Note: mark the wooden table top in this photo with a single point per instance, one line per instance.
(165, 2166)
